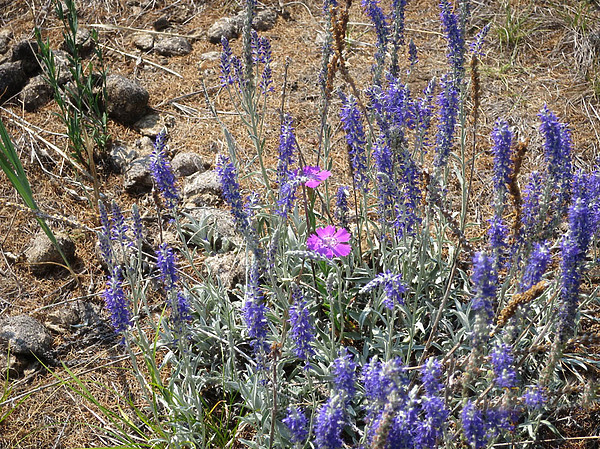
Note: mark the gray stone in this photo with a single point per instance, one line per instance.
(228, 268)
(121, 156)
(5, 38)
(144, 146)
(12, 80)
(12, 366)
(36, 93)
(264, 20)
(211, 228)
(62, 319)
(61, 61)
(138, 177)
(150, 125)
(186, 164)
(42, 256)
(173, 46)
(25, 335)
(83, 41)
(161, 23)
(28, 53)
(210, 56)
(143, 41)
(224, 27)
(126, 100)
(203, 189)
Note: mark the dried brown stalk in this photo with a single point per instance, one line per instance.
(513, 186)
(518, 299)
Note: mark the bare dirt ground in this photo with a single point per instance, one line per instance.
(538, 52)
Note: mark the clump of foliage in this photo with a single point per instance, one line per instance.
(367, 318)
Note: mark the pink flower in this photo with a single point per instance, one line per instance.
(315, 176)
(329, 242)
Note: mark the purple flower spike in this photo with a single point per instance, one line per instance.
(503, 363)
(392, 287)
(104, 235)
(341, 207)
(574, 247)
(232, 194)
(329, 425)
(119, 227)
(302, 330)
(377, 16)
(448, 114)
(255, 312)
(356, 139)
(315, 176)
(330, 242)
(557, 152)
(162, 173)
(344, 375)
(226, 55)
(536, 266)
(114, 297)
(430, 429)
(534, 397)
(484, 279)
(297, 423)
(454, 36)
(287, 147)
(474, 426)
(502, 138)
(166, 263)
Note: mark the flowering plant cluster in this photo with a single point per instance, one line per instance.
(366, 318)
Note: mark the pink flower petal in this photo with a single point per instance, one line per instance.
(330, 242)
(342, 235)
(327, 231)
(315, 176)
(314, 243)
(342, 249)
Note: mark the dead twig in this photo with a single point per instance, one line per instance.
(140, 30)
(141, 59)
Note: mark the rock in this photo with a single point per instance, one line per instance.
(143, 41)
(12, 366)
(211, 228)
(210, 56)
(126, 100)
(42, 255)
(144, 146)
(25, 335)
(120, 157)
(83, 41)
(36, 93)
(264, 20)
(5, 38)
(62, 319)
(187, 163)
(28, 53)
(138, 177)
(225, 27)
(173, 46)
(12, 80)
(228, 268)
(150, 125)
(203, 189)
(161, 23)
(61, 61)
(231, 27)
